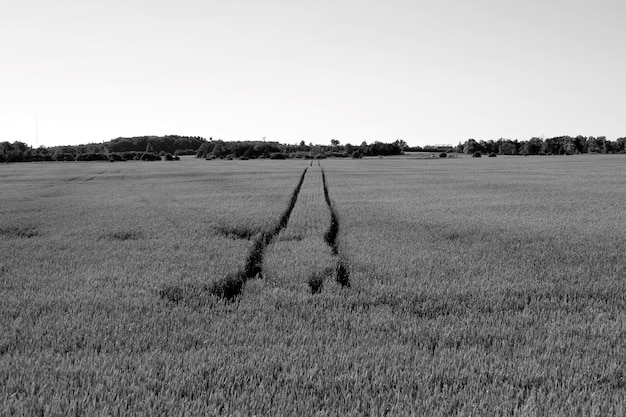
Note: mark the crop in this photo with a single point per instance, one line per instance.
(299, 259)
(489, 286)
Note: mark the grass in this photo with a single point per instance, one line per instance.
(489, 286)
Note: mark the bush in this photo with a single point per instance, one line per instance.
(91, 157)
(116, 157)
(59, 156)
(492, 155)
(184, 152)
(150, 157)
(477, 155)
(356, 155)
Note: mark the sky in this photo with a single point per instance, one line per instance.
(424, 71)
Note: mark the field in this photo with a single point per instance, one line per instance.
(491, 286)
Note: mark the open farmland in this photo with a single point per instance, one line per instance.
(492, 286)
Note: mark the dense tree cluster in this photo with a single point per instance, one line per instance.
(120, 149)
(274, 150)
(241, 150)
(560, 145)
(168, 144)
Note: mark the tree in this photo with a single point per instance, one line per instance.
(620, 145)
(219, 150)
(551, 146)
(507, 148)
(607, 147)
(471, 146)
(532, 147)
(488, 146)
(593, 145)
(580, 143)
(204, 150)
(569, 148)
(303, 147)
(401, 144)
(12, 152)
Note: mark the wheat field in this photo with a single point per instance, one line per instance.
(456, 286)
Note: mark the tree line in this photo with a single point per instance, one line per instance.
(559, 145)
(258, 149)
(171, 146)
(119, 149)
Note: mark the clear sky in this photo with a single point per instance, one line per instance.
(425, 71)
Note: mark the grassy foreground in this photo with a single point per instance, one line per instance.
(477, 287)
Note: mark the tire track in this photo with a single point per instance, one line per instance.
(300, 255)
(333, 230)
(342, 272)
(254, 263)
(231, 285)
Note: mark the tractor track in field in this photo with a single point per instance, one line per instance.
(342, 271)
(333, 230)
(231, 285)
(254, 262)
